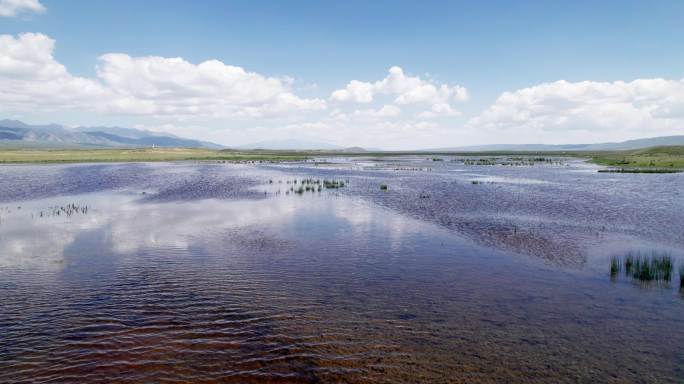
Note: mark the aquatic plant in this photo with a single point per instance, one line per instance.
(333, 184)
(614, 267)
(656, 266)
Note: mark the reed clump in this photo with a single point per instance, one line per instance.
(654, 266)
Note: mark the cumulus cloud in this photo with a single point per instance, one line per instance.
(384, 112)
(177, 87)
(405, 90)
(356, 91)
(156, 86)
(31, 78)
(366, 132)
(439, 110)
(12, 8)
(642, 106)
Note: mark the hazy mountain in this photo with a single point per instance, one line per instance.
(639, 143)
(624, 145)
(16, 134)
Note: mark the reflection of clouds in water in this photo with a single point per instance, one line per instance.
(174, 225)
(506, 180)
(40, 242)
(362, 218)
(27, 240)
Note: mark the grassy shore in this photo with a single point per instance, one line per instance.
(655, 157)
(138, 155)
(649, 158)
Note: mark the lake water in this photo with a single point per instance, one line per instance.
(205, 272)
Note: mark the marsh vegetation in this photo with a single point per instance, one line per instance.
(646, 267)
(515, 161)
(639, 170)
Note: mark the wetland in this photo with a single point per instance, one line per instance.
(346, 269)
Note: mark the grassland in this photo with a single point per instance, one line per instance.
(649, 158)
(655, 157)
(138, 155)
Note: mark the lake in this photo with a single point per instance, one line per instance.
(364, 269)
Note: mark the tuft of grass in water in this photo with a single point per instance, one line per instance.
(333, 184)
(383, 187)
(656, 266)
(614, 267)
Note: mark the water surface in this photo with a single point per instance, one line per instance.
(200, 272)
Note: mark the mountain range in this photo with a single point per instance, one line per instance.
(16, 134)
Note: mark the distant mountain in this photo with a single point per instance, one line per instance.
(16, 134)
(290, 144)
(639, 143)
(625, 145)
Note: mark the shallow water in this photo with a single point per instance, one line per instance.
(198, 272)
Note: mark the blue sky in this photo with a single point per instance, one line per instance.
(599, 50)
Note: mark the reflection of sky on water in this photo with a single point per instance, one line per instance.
(129, 225)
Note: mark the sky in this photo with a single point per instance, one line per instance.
(381, 74)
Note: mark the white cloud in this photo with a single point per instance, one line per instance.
(404, 89)
(30, 77)
(165, 87)
(356, 91)
(385, 111)
(176, 87)
(361, 131)
(212, 100)
(439, 110)
(12, 8)
(597, 110)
